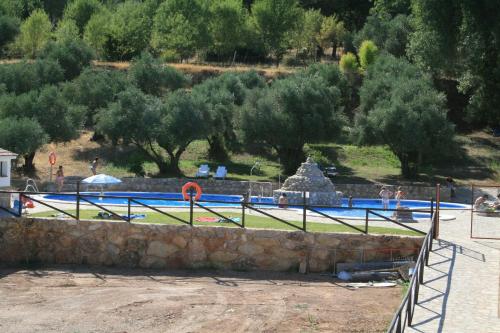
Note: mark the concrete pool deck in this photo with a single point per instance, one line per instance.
(462, 283)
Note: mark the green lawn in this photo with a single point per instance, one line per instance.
(251, 221)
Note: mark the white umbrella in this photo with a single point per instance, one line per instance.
(101, 180)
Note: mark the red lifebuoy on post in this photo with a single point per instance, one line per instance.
(194, 186)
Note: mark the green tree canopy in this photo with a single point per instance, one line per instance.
(23, 77)
(296, 110)
(66, 31)
(23, 136)
(9, 28)
(461, 39)
(227, 26)
(332, 34)
(368, 52)
(96, 32)
(35, 33)
(401, 108)
(389, 33)
(94, 89)
(157, 129)
(129, 30)
(222, 95)
(72, 55)
(180, 28)
(59, 120)
(149, 75)
(349, 64)
(274, 21)
(80, 12)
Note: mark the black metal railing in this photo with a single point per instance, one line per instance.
(404, 314)
(207, 205)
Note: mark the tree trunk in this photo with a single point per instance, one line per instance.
(28, 162)
(217, 150)
(291, 158)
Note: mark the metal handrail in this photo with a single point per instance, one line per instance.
(404, 314)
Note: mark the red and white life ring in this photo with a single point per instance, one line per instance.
(191, 185)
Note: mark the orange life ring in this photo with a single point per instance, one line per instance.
(188, 186)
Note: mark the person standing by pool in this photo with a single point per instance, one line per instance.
(93, 166)
(283, 201)
(385, 194)
(350, 202)
(399, 196)
(450, 184)
(60, 178)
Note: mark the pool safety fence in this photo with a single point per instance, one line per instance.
(245, 208)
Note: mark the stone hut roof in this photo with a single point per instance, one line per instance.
(4, 152)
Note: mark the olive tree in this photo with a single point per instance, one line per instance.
(161, 130)
(180, 28)
(59, 120)
(274, 20)
(149, 75)
(294, 111)
(401, 108)
(35, 33)
(223, 94)
(23, 136)
(80, 11)
(25, 76)
(72, 55)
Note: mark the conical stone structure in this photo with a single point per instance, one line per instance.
(309, 178)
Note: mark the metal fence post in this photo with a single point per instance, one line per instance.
(304, 213)
(432, 206)
(20, 205)
(191, 211)
(128, 209)
(438, 201)
(243, 214)
(78, 200)
(366, 222)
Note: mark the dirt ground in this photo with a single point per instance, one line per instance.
(70, 299)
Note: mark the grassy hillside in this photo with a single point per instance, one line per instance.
(478, 161)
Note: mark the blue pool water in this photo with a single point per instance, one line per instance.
(160, 199)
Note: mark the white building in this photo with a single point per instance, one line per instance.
(6, 158)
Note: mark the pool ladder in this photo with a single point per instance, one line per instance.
(31, 186)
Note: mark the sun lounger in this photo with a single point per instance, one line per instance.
(221, 172)
(203, 171)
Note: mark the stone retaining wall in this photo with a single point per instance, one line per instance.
(170, 246)
(258, 188)
(174, 185)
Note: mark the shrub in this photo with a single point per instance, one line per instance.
(367, 53)
(348, 63)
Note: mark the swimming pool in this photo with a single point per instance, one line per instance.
(161, 199)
